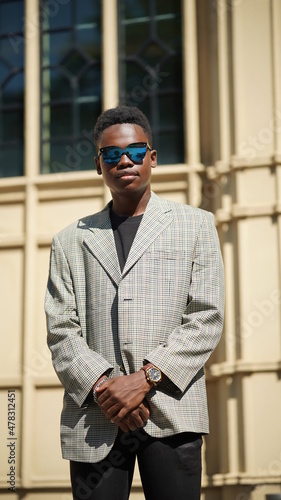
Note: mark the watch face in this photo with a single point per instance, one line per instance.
(154, 374)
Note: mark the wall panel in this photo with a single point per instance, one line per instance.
(41, 366)
(11, 219)
(253, 75)
(11, 312)
(259, 320)
(54, 215)
(266, 424)
(257, 187)
(46, 436)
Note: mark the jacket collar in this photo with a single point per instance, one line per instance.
(100, 239)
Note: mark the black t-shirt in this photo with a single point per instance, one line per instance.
(124, 230)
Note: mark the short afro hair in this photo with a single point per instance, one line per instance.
(118, 115)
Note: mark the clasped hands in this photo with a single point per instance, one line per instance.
(122, 400)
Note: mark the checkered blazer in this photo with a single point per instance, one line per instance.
(166, 307)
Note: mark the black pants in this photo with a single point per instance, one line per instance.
(169, 468)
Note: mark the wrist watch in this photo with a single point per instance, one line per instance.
(153, 374)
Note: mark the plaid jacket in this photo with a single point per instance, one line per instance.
(166, 307)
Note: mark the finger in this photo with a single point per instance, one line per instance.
(145, 404)
(111, 413)
(136, 424)
(139, 421)
(104, 392)
(144, 413)
(124, 427)
(109, 397)
(131, 424)
(114, 414)
(117, 412)
(134, 421)
(106, 401)
(102, 387)
(103, 396)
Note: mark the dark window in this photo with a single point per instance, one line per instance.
(11, 87)
(70, 84)
(150, 69)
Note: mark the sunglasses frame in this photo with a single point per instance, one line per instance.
(124, 151)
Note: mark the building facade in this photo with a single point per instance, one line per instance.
(208, 75)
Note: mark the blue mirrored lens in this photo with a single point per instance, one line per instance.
(112, 154)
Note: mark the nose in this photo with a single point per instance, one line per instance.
(125, 161)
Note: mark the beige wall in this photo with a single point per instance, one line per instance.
(232, 167)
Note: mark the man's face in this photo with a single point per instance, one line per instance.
(126, 176)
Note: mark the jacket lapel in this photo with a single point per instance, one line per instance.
(156, 218)
(100, 241)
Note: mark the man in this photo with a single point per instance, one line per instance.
(134, 309)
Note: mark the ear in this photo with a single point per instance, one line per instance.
(97, 162)
(153, 158)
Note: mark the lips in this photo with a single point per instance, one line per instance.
(127, 173)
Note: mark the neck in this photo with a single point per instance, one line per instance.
(130, 206)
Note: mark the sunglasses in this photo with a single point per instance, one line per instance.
(136, 152)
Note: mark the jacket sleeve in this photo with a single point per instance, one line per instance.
(76, 365)
(191, 343)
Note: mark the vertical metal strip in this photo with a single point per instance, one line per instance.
(223, 58)
(276, 64)
(276, 119)
(191, 99)
(32, 89)
(226, 201)
(110, 53)
(110, 94)
(32, 162)
(225, 151)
